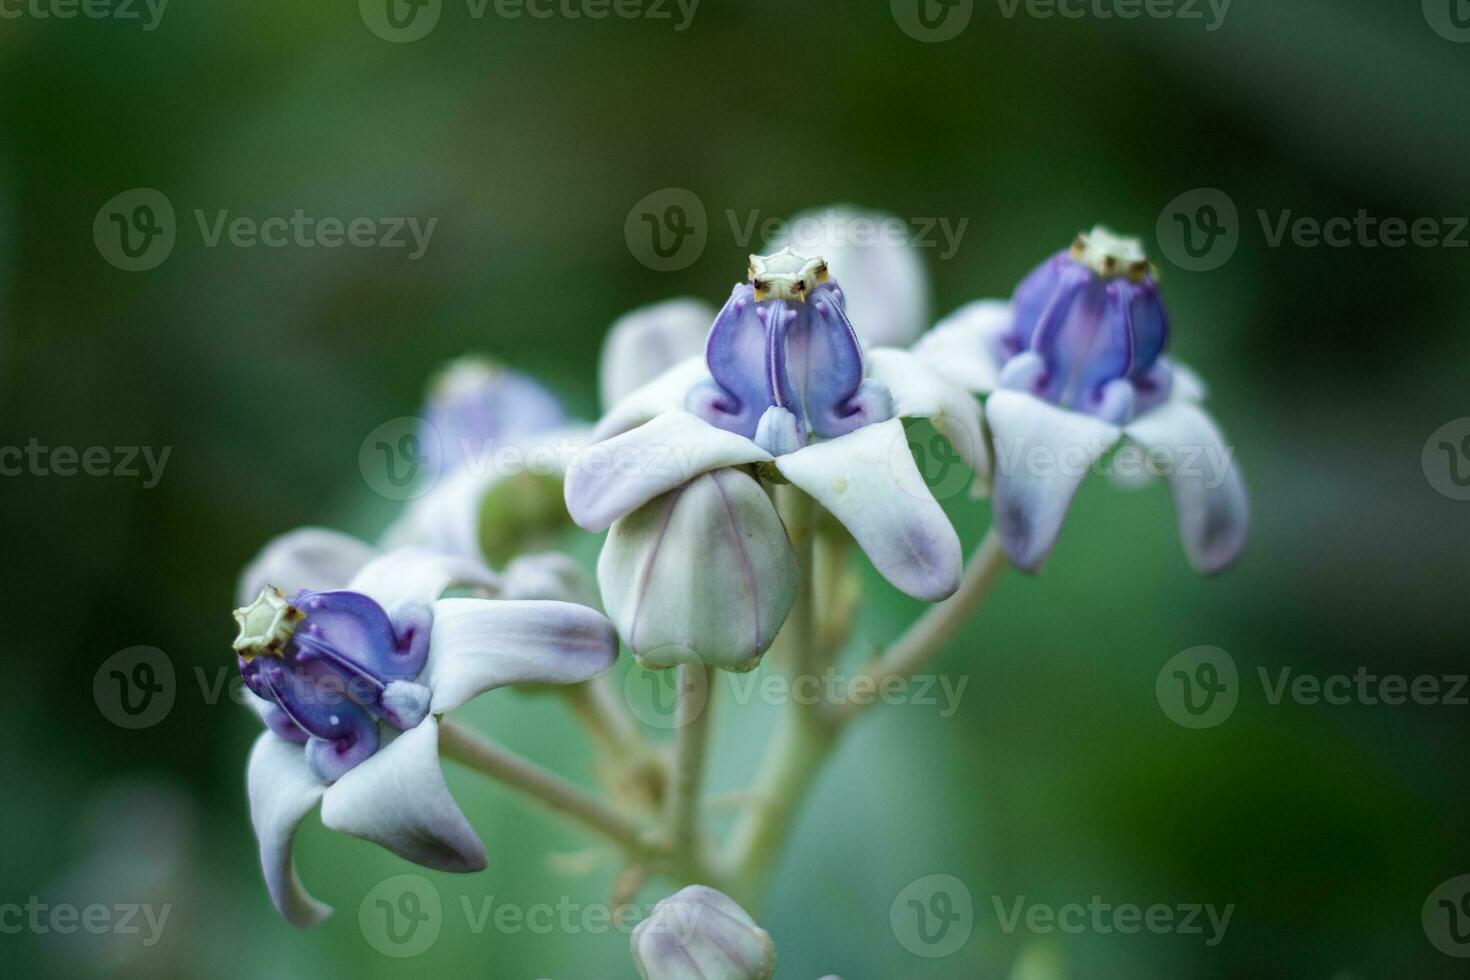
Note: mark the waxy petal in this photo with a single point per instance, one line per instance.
(704, 574)
(646, 342)
(920, 391)
(970, 345)
(823, 366)
(868, 481)
(399, 799)
(699, 933)
(737, 357)
(616, 477)
(1209, 495)
(306, 558)
(1042, 452)
(419, 575)
(479, 645)
(668, 392)
(282, 791)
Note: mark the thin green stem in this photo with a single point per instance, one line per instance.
(545, 787)
(691, 739)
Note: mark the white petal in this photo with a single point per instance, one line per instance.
(616, 477)
(282, 792)
(1209, 495)
(398, 798)
(704, 574)
(481, 644)
(963, 346)
(1188, 384)
(1042, 452)
(919, 391)
(645, 343)
(419, 575)
(869, 482)
(873, 258)
(306, 558)
(665, 393)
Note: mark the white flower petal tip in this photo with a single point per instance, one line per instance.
(702, 575)
(699, 933)
(614, 478)
(868, 481)
(550, 575)
(478, 646)
(398, 798)
(665, 393)
(919, 391)
(306, 558)
(282, 791)
(1209, 494)
(1042, 453)
(646, 342)
(964, 346)
(420, 575)
(776, 432)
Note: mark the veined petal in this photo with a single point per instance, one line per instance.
(479, 645)
(398, 798)
(666, 393)
(1208, 492)
(1042, 453)
(704, 574)
(306, 558)
(869, 482)
(419, 575)
(616, 477)
(920, 391)
(282, 791)
(970, 345)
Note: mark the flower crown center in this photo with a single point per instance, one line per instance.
(1111, 256)
(787, 275)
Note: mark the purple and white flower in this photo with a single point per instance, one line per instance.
(646, 342)
(350, 684)
(1073, 366)
(786, 389)
(699, 933)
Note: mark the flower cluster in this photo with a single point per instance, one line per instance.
(735, 446)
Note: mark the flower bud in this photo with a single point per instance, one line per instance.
(701, 934)
(701, 575)
(476, 404)
(647, 342)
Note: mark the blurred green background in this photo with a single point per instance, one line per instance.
(1059, 777)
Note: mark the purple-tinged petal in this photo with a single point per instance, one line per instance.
(282, 791)
(824, 367)
(970, 345)
(699, 933)
(868, 481)
(420, 575)
(475, 404)
(736, 355)
(351, 624)
(399, 799)
(616, 477)
(1083, 336)
(669, 392)
(1035, 294)
(778, 432)
(318, 699)
(479, 645)
(1209, 495)
(306, 558)
(704, 574)
(1042, 452)
(920, 391)
(646, 342)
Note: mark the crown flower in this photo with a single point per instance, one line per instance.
(1073, 366)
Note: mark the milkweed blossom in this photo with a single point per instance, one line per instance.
(1073, 366)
